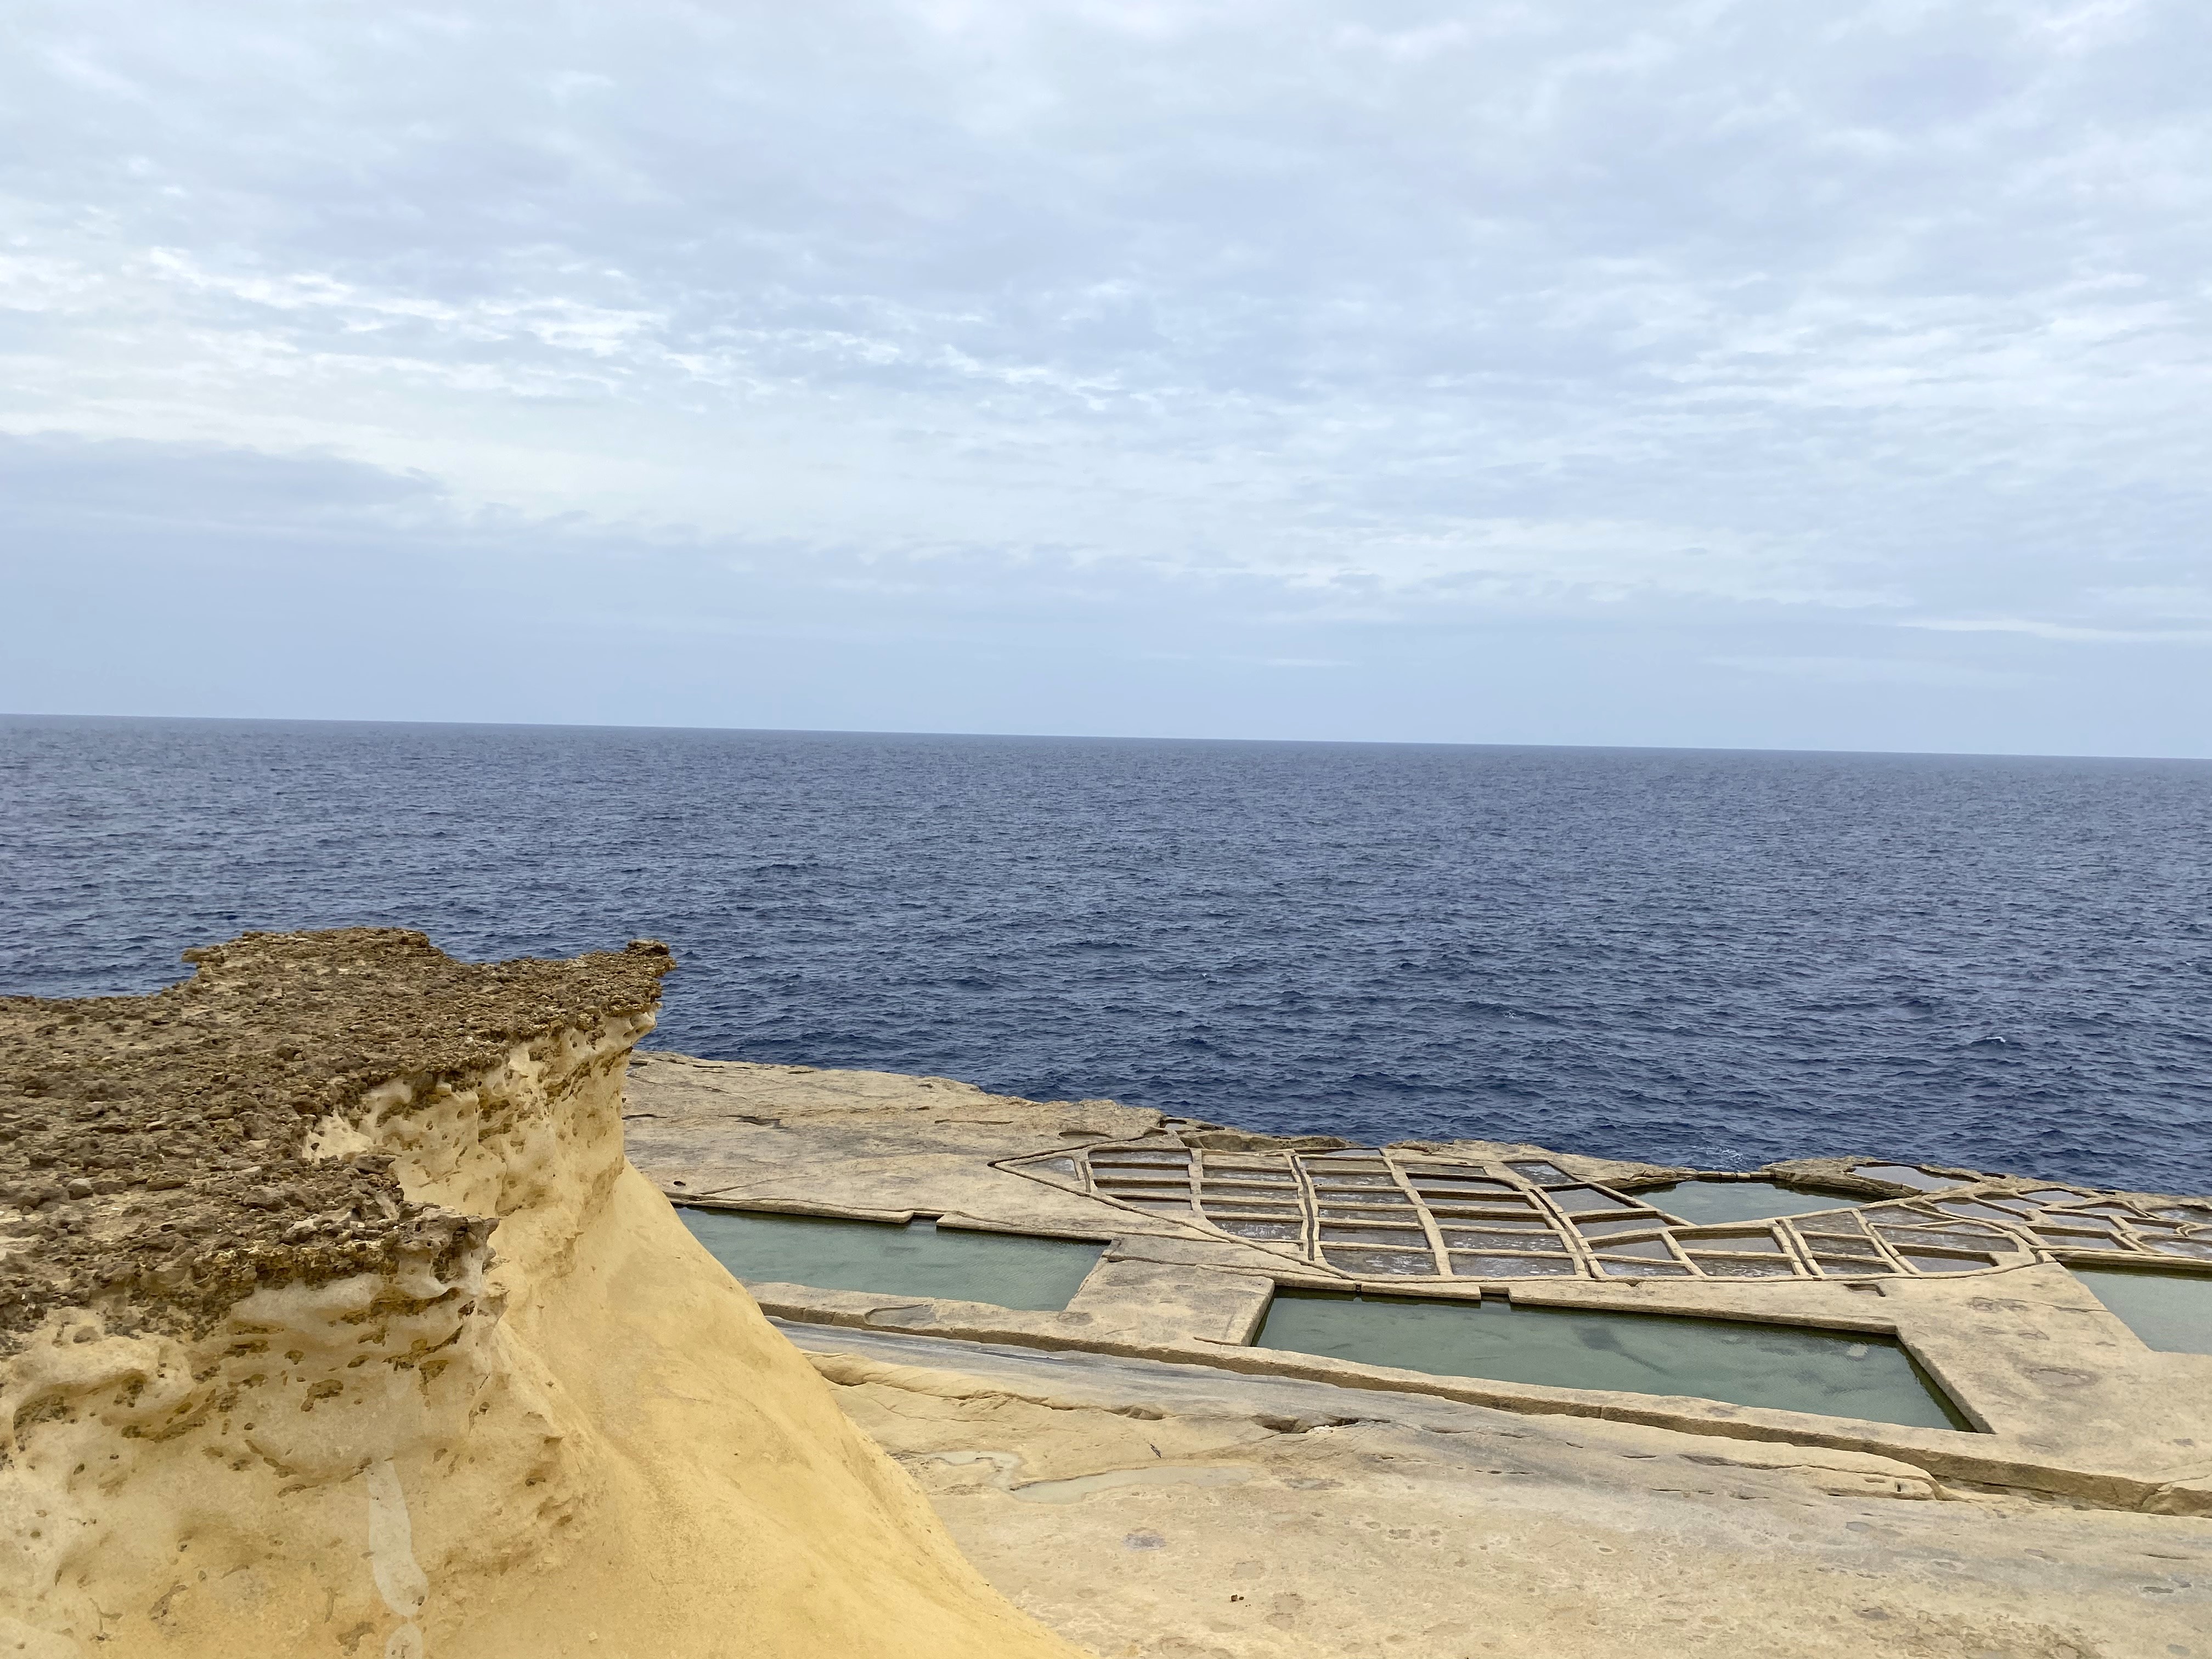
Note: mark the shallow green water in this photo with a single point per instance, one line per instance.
(1836, 1374)
(1705, 1202)
(1035, 1274)
(2169, 1312)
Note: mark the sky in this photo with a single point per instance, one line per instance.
(1779, 375)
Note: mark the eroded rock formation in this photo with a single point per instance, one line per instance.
(335, 1321)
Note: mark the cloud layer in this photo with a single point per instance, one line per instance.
(1592, 373)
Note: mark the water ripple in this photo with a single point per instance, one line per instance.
(1717, 958)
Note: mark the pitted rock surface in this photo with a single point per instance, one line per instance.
(152, 1149)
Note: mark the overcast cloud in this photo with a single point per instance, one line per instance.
(1824, 374)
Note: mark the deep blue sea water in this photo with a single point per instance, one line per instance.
(1715, 958)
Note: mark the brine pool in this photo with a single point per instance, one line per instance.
(1706, 1202)
(1036, 1275)
(2169, 1312)
(1787, 1368)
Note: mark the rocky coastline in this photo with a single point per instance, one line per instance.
(347, 1306)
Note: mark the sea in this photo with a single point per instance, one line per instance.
(1702, 958)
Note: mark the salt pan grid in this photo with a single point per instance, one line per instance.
(1397, 1214)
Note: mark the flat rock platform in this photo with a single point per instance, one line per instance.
(1137, 1473)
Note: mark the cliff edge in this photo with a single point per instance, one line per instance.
(334, 1321)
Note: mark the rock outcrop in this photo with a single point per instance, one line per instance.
(334, 1321)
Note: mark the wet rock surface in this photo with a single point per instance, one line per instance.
(156, 1152)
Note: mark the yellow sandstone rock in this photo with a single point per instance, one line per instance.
(408, 1433)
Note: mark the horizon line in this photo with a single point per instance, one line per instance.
(1081, 737)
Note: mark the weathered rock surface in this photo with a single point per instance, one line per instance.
(1164, 1512)
(161, 1156)
(275, 1385)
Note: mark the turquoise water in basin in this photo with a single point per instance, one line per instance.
(2169, 1312)
(1036, 1275)
(1705, 1202)
(1787, 1368)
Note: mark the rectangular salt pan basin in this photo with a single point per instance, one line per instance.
(1786, 1368)
(1707, 1201)
(1036, 1275)
(2171, 1312)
